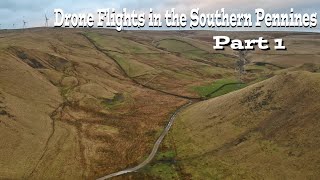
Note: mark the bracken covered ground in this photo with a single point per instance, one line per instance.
(79, 104)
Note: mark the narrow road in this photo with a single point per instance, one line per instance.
(154, 150)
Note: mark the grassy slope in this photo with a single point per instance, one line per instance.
(267, 130)
(192, 50)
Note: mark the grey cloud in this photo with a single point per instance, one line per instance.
(28, 5)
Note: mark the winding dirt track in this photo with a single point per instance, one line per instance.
(154, 149)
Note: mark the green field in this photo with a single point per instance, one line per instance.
(227, 89)
(218, 88)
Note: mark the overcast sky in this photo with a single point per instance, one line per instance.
(33, 11)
